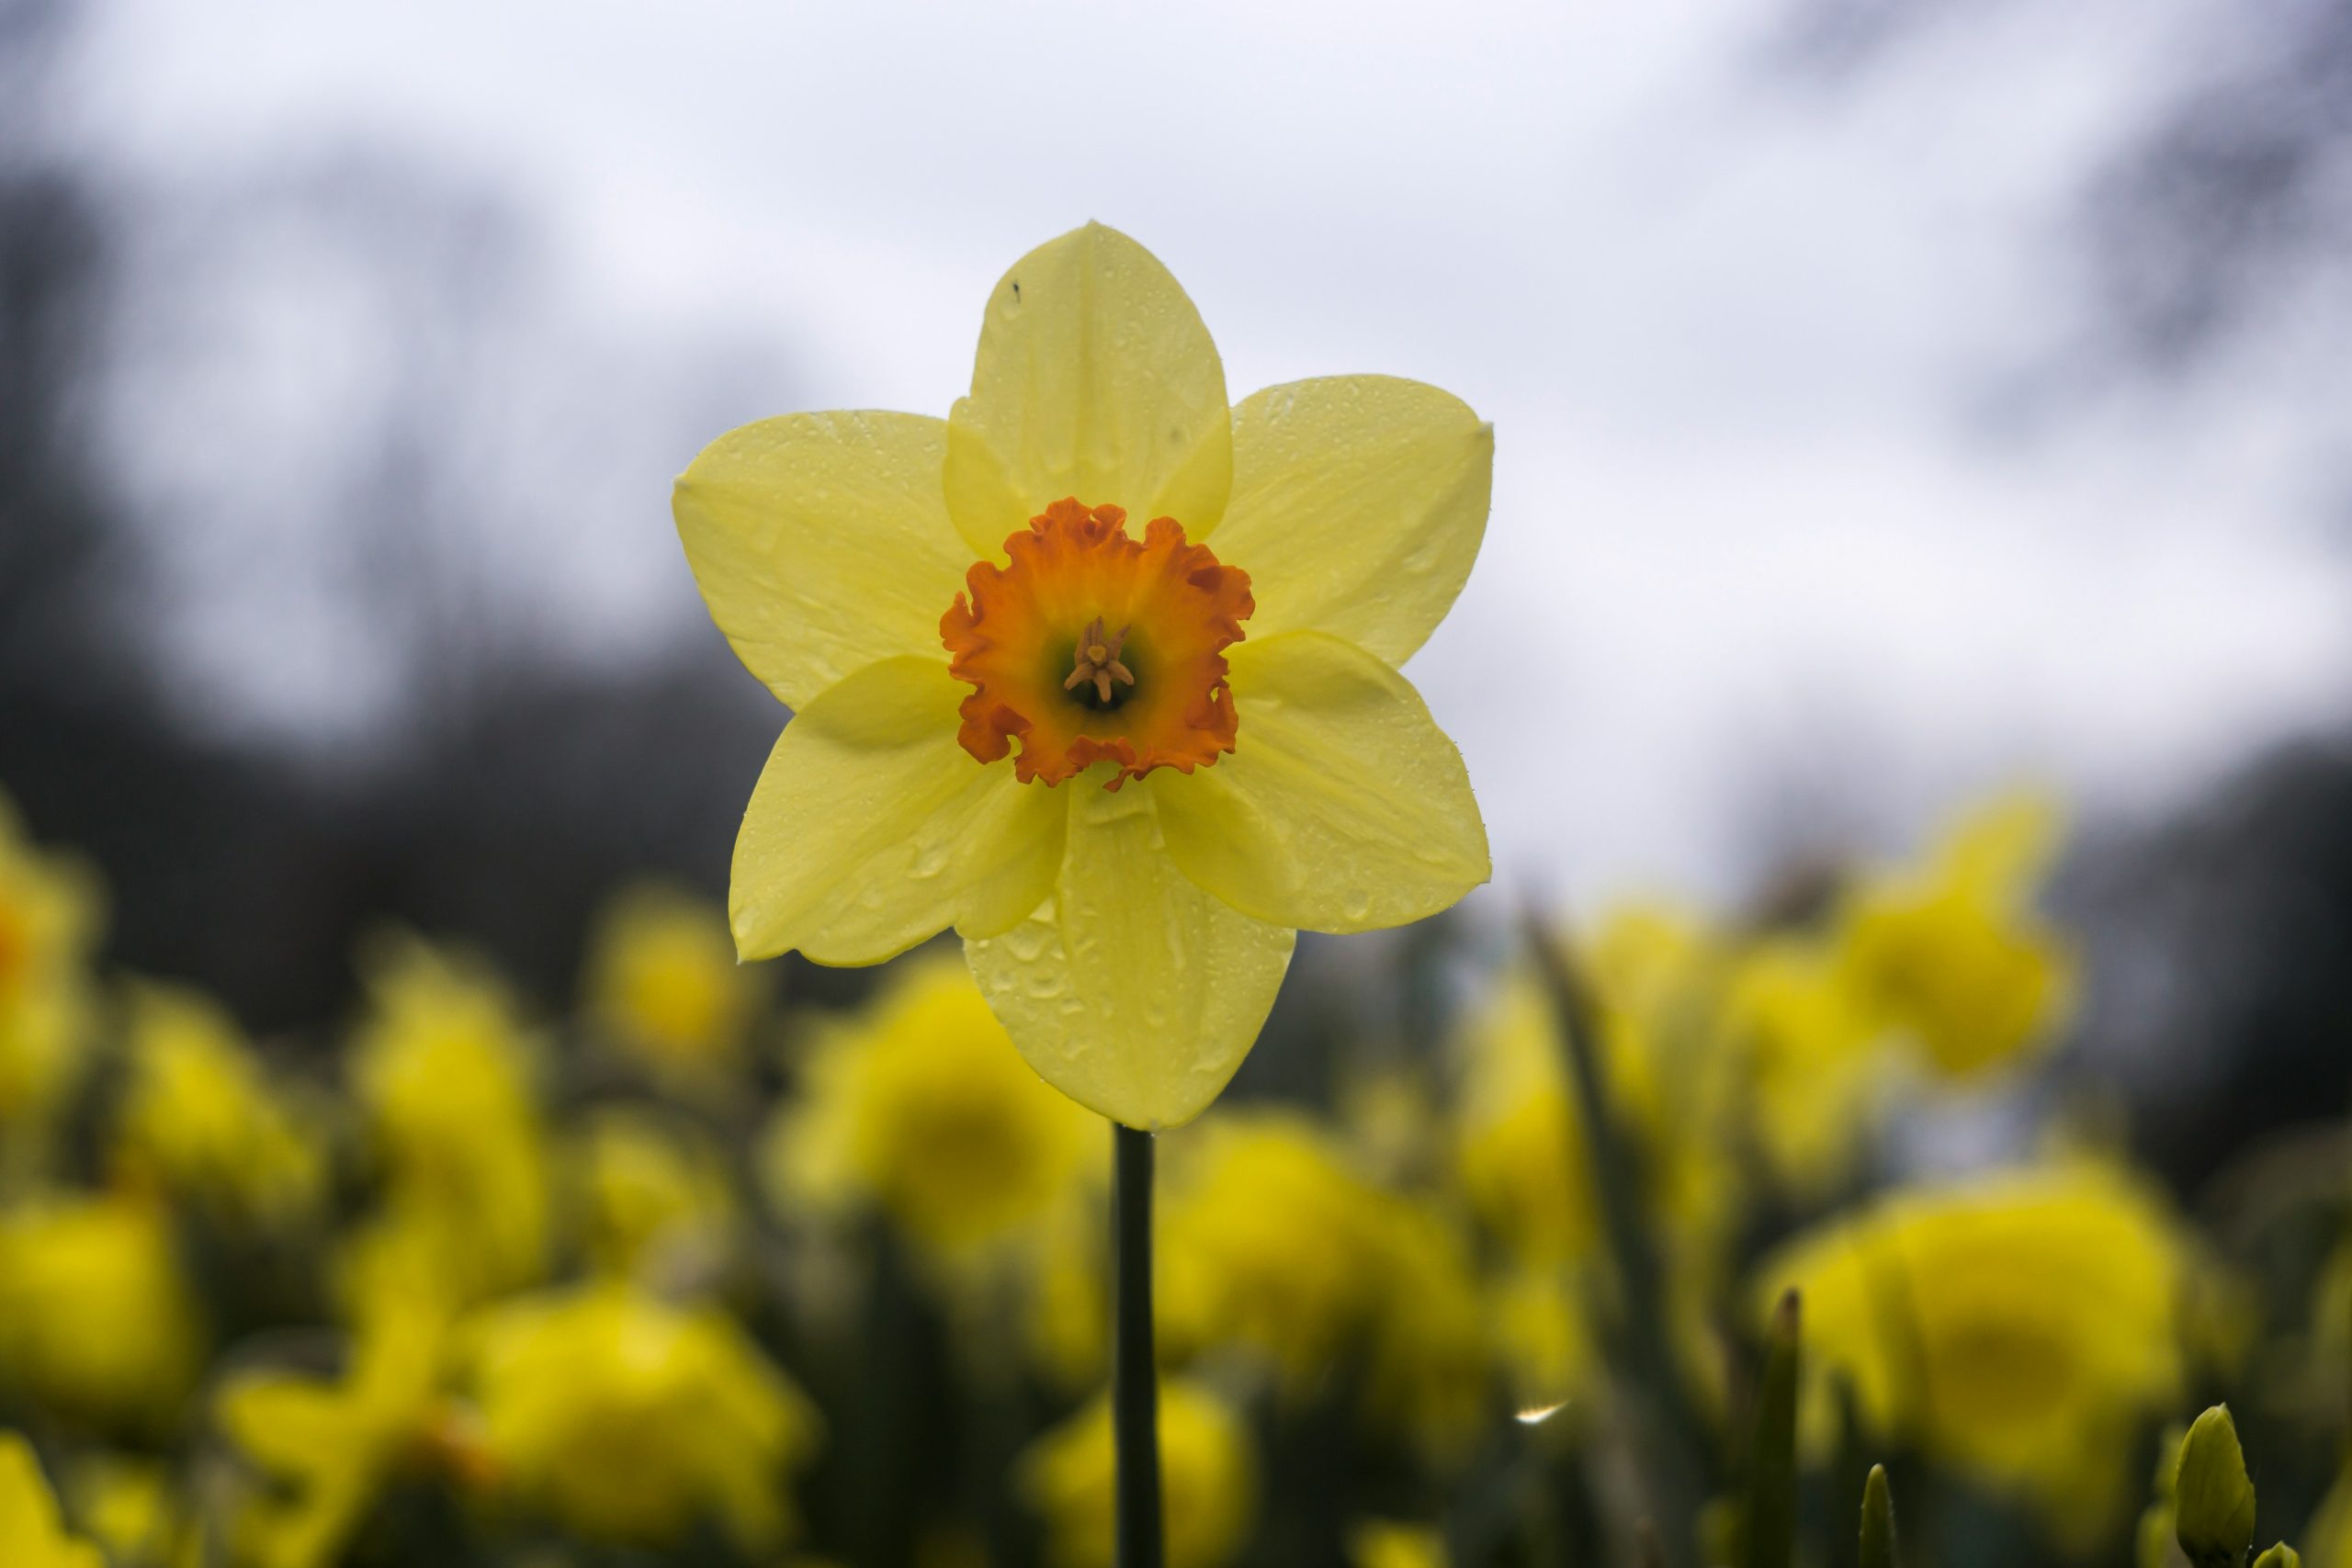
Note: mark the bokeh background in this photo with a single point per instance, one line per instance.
(1897, 401)
(1895, 397)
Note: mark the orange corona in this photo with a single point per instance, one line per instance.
(1088, 646)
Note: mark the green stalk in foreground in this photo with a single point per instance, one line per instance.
(1135, 1377)
(1666, 1432)
(1878, 1548)
(1768, 1525)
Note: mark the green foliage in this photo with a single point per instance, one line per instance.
(1769, 1527)
(1880, 1549)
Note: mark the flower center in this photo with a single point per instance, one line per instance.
(1098, 662)
(1035, 638)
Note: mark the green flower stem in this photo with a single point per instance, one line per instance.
(1668, 1431)
(1878, 1544)
(1135, 1376)
(1769, 1527)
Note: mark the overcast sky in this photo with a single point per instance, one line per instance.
(1762, 525)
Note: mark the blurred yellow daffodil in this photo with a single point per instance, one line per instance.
(1208, 1481)
(1268, 1241)
(1427, 1356)
(1521, 1146)
(630, 1420)
(97, 1323)
(1800, 1060)
(49, 923)
(919, 1107)
(961, 620)
(32, 1534)
(1390, 1115)
(664, 985)
(1274, 1245)
(1954, 954)
(2327, 1542)
(200, 1118)
(1526, 1167)
(1068, 1324)
(1543, 1334)
(328, 1447)
(654, 1196)
(1382, 1544)
(444, 1073)
(2019, 1327)
(134, 1511)
(1520, 1137)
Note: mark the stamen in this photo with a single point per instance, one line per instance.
(1011, 623)
(1098, 662)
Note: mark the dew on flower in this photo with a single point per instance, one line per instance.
(1123, 971)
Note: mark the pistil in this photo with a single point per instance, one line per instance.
(1098, 662)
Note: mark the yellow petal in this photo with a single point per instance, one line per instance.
(286, 1421)
(871, 829)
(1998, 851)
(821, 543)
(31, 1533)
(1131, 990)
(1095, 379)
(1358, 505)
(1344, 808)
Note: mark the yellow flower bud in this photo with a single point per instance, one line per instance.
(2212, 1498)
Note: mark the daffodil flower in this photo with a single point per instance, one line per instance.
(1101, 673)
(330, 1448)
(2015, 1327)
(32, 1535)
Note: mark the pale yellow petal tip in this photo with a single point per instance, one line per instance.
(1160, 1106)
(1146, 1019)
(1094, 377)
(1156, 1109)
(1294, 830)
(752, 947)
(1095, 227)
(1090, 234)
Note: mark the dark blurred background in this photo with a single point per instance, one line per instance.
(1895, 397)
